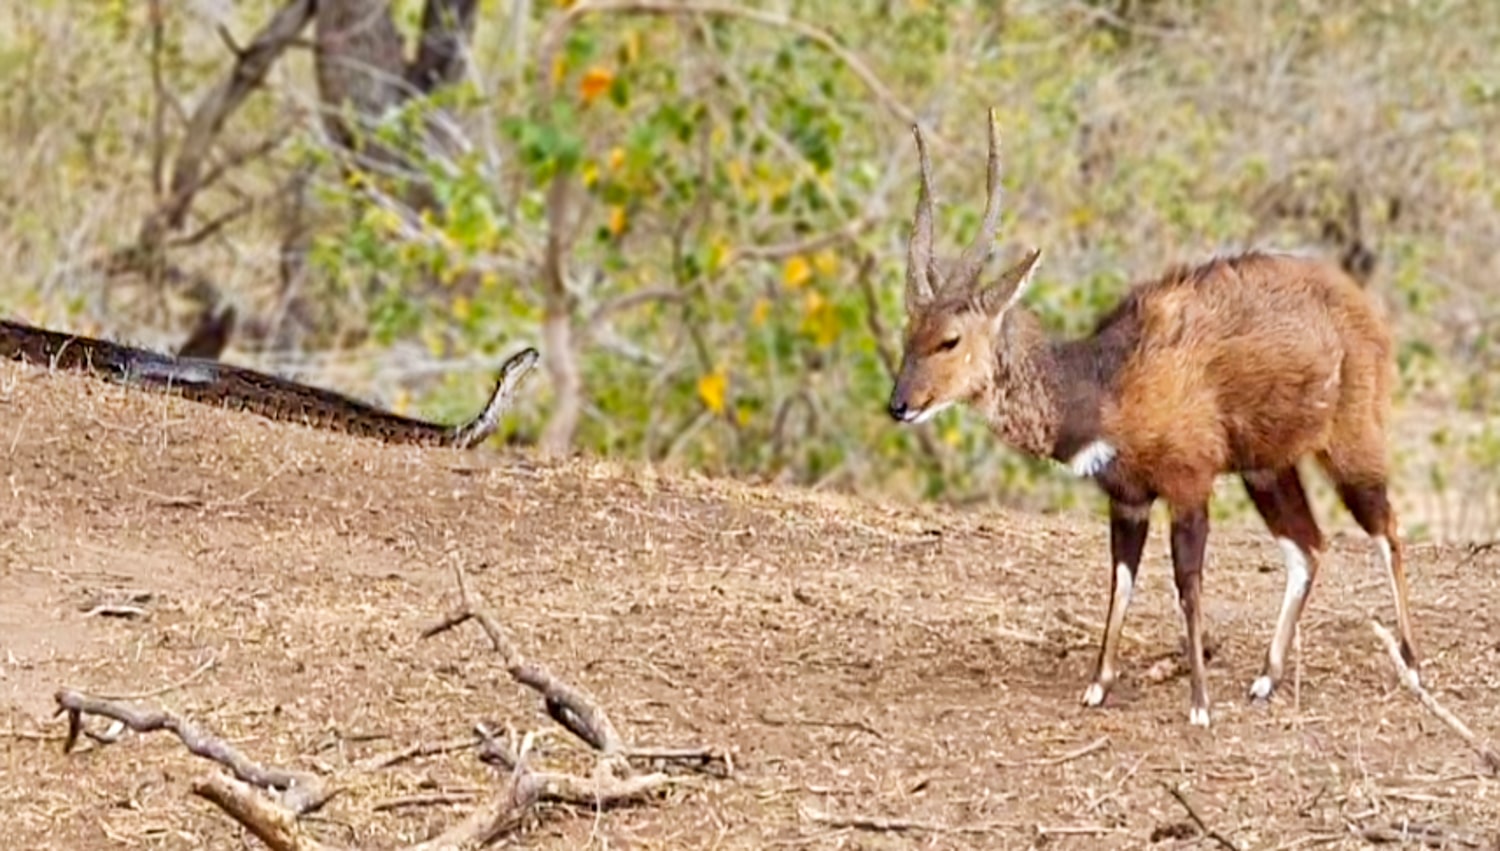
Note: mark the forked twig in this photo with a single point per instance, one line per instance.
(1413, 684)
(570, 706)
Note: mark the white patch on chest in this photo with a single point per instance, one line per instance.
(1092, 459)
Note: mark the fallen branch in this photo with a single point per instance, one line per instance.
(274, 818)
(300, 792)
(1222, 840)
(1413, 684)
(568, 705)
(271, 823)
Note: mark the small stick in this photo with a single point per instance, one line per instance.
(1096, 745)
(435, 799)
(420, 749)
(1221, 839)
(768, 720)
(1409, 679)
(879, 824)
(169, 687)
(115, 610)
(1433, 835)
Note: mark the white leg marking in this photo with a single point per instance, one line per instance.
(927, 413)
(1092, 459)
(1198, 716)
(1124, 589)
(1298, 580)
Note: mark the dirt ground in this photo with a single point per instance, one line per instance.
(854, 657)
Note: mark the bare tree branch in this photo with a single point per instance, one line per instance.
(551, 40)
(250, 69)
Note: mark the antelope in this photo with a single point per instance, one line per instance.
(1241, 365)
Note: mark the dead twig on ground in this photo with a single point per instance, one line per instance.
(1413, 684)
(880, 824)
(1422, 833)
(430, 799)
(1096, 745)
(1219, 838)
(300, 792)
(420, 749)
(166, 689)
(273, 818)
(860, 726)
(271, 823)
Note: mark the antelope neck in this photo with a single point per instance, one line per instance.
(1046, 396)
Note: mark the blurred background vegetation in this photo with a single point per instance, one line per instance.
(698, 210)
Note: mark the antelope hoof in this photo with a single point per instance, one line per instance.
(1094, 695)
(1262, 688)
(1198, 716)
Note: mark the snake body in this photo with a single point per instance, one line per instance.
(215, 383)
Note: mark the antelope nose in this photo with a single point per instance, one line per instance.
(897, 409)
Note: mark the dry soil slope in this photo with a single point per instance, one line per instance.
(854, 656)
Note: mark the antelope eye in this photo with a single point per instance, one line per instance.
(948, 345)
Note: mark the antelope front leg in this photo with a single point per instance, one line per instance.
(1128, 527)
(1189, 540)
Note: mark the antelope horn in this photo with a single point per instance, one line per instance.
(971, 262)
(920, 270)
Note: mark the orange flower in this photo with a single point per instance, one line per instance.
(596, 81)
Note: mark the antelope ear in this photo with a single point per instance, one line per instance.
(1003, 294)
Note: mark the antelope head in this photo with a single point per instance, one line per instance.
(953, 318)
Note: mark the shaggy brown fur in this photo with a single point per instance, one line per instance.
(1245, 364)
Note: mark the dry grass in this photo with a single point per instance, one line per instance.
(857, 658)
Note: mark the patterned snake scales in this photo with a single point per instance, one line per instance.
(215, 383)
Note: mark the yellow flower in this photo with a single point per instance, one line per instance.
(616, 158)
(617, 220)
(820, 320)
(760, 312)
(632, 46)
(826, 262)
(713, 388)
(596, 81)
(796, 272)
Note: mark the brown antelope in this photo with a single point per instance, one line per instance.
(1244, 365)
